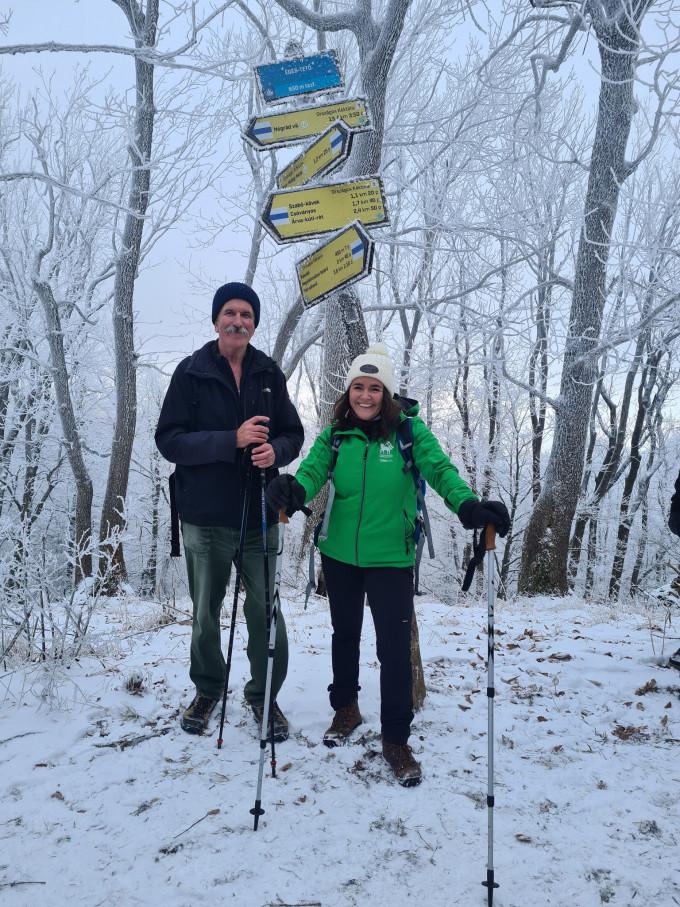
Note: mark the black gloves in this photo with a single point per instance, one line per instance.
(674, 522)
(477, 514)
(285, 491)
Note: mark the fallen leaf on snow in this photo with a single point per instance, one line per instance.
(649, 687)
(625, 733)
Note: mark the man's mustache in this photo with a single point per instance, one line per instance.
(233, 329)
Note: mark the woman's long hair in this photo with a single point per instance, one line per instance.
(387, 421)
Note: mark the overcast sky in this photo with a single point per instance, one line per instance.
(173, 318)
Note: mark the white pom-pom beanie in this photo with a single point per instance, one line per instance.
(374, 363)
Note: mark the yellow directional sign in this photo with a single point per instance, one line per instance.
(343, 260)
(323, 155)
(292, 214)
(279, 129)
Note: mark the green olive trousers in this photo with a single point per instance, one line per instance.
(210, 552)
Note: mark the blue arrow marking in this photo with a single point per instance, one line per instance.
(264, 130)
(336, 141)
(357, 249)
(279, 216)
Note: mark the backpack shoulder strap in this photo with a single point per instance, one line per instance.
(405, 444)
(172, 478)
(336, 441)
(174, 519)
(405, 441)
(321, 530)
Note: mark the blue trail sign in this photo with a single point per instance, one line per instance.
(304, 75)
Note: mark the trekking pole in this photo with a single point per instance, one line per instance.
(237, 584)
(490, 542)
(269, 699)
(257, 810)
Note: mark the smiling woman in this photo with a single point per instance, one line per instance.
(365, 397)
(367, 541)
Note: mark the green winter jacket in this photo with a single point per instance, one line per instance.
(375, 506)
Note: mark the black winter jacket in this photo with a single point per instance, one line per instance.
(675, 498)
(197, 428)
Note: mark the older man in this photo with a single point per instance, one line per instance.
(226, 411)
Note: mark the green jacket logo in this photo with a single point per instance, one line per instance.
(386, 449)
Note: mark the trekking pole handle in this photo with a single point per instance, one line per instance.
(490, 537)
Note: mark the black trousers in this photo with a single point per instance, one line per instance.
(390, 598)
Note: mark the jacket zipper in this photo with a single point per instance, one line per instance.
(361, 505)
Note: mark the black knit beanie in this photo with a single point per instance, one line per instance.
(236, 290)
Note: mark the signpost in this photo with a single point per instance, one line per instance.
(296, 126)
(304, 75)
(330, 150)
(302, 208)
(344, 259)
(294, 214)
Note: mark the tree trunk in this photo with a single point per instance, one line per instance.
(418, 687)
(69, 426)
(149, 579)
(647, 401)
(112, 561)
(538, 366)
(549, 526)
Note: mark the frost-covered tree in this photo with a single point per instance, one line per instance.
(169, 163)
(616, 25)
(376, 43)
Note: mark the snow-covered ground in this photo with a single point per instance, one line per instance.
(104, 800)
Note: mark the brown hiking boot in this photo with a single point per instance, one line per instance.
(280, 723)
(195, 719)
(400, 758)
(345, 720)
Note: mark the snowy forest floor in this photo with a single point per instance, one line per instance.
(105, 800)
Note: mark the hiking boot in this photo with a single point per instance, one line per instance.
(195, 719)
(280, 723)
(345, 720)
(400, 758)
